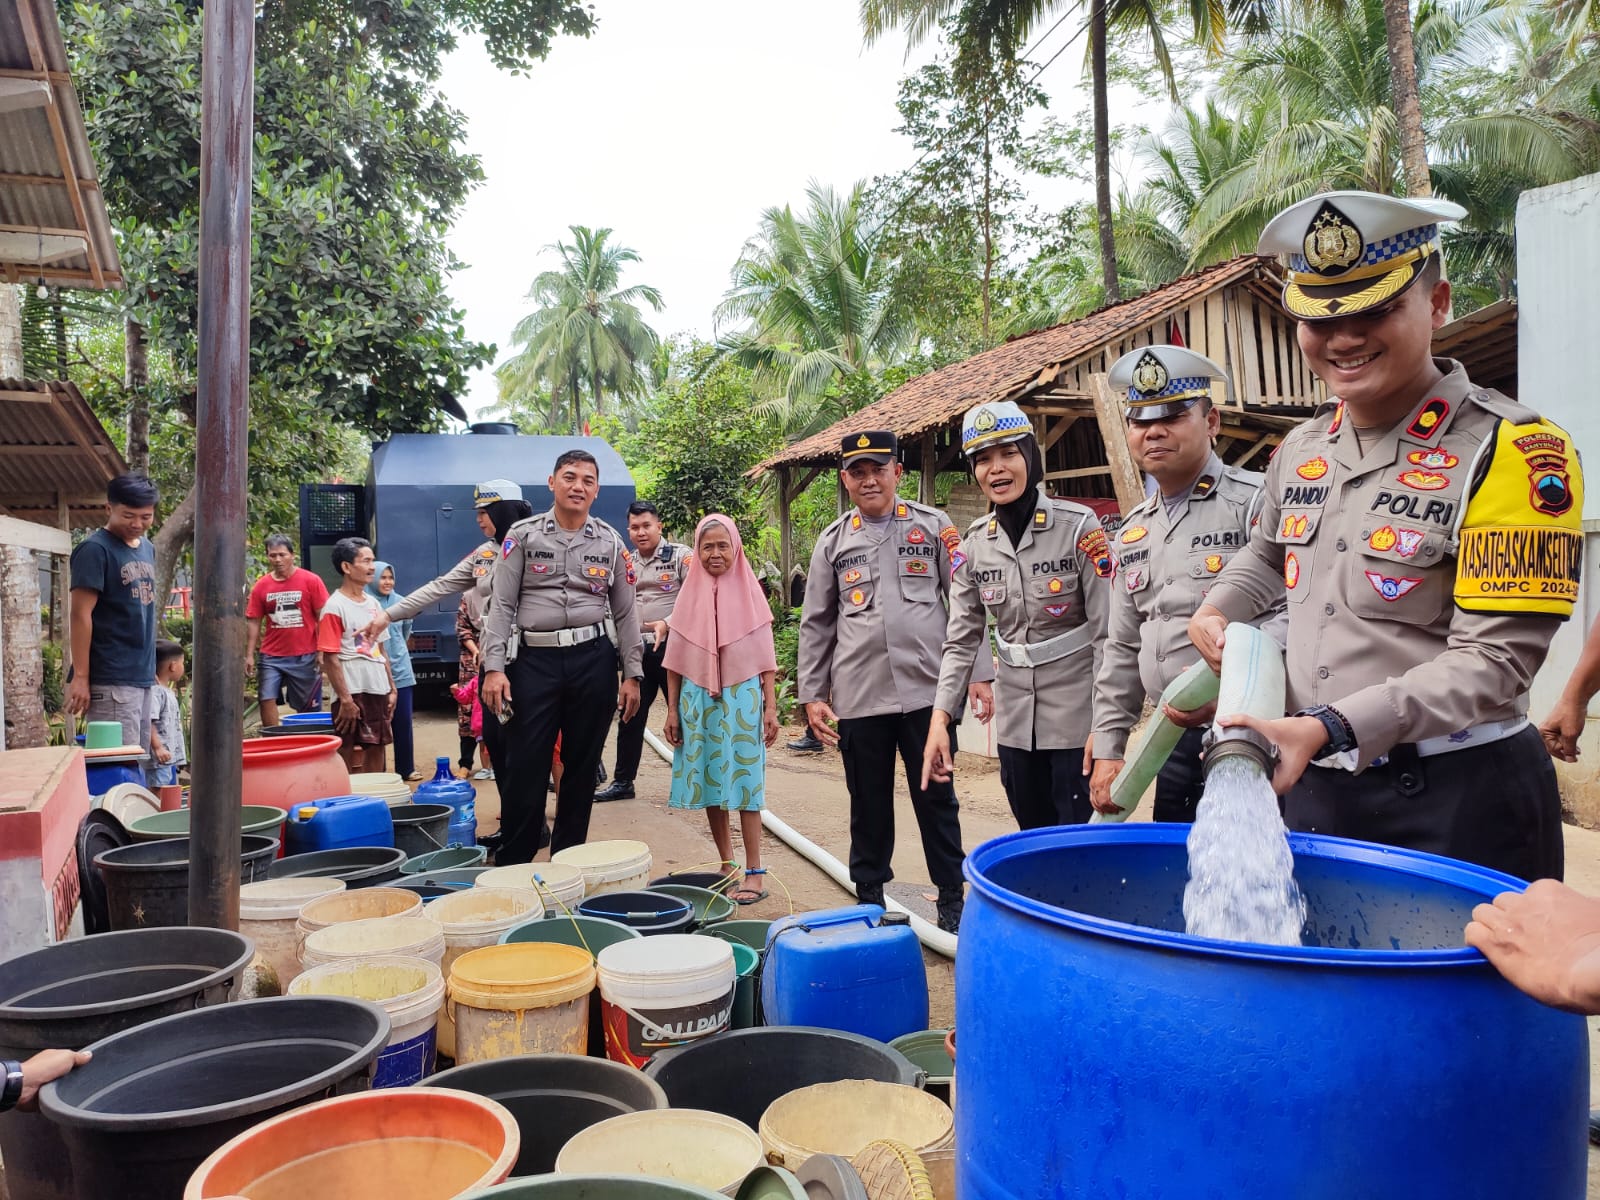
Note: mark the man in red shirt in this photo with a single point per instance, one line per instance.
(283, 610)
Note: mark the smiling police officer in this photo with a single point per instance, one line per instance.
(1429, 535)
(557, 573)
(1039, 567)
(871, 632)
(1169, 552)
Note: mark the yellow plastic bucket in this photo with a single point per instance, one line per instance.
(473, 918)
(521, 998)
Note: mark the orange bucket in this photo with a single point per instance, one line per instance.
(402, 1144)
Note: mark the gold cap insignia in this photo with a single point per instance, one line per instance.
(984, 421)
(1332, 243)
(1149, 375)
(863, 441)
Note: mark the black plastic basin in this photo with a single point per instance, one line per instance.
(88, 989)
(147, 883)
(156, 1100)
(740, 1072)
(554, 1097)
(421, 828)
(358, 866)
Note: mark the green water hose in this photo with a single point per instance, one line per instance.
(1193, 689)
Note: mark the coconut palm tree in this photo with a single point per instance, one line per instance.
(586, 335)
(997, 28)
(813, 301)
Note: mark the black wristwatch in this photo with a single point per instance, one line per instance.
(12, 1092)
(1340, 736)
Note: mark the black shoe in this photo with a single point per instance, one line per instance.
(599, 774)
(869, 893)
(809, 744)
(620, 789)
(951, 903)
(1594, 1126)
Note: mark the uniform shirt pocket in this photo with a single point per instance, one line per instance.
(598, 578)
(856, 587)
(919, 582)
(993, 596)
(1296, 533)
(1398, 577)
(1052, 598)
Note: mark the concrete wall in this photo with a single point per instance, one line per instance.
(1558, 283)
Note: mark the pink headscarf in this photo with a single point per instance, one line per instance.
(721, 625)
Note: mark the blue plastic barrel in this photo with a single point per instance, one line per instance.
(1103, 1052)
(103, 775)
(845, 968)
(338, 823)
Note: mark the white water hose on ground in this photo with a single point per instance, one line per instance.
(929, 934)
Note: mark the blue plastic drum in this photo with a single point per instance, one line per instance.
(1103, 1052)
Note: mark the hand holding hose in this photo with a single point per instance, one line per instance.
(1207, 630)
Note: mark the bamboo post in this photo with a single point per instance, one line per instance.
(1126, 478)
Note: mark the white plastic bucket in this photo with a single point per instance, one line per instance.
(357, 904)
(664, 991)
(559, 885)
(386, 784)
(269, 912)
(475, 917)
(411, 991)
(689, 1145)
(615, 866)
(407, 936)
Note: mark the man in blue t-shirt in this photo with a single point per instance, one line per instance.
(114, 612)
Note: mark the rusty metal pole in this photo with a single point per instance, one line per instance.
(227, 85)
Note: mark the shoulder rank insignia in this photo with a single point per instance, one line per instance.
(1425, 425)
(855, 520)
(1203, 485)
(900, 510)
(1039, 517)
(1338, 419)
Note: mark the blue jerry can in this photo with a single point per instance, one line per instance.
(846, 968)
(337, 823)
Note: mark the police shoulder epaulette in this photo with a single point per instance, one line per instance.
(979, 523)
(1502, 406)
(1251, 479)
(834, 526)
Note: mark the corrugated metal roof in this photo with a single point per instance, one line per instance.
(934, 400)
(53, 448)
(48, 183)
(1485, 342)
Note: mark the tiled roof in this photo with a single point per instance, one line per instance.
(933, 400)
(53, 448)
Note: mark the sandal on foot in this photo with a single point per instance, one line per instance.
(751, 895)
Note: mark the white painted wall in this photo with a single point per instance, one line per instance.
(1558, 287)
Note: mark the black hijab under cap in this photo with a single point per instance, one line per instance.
(503, 514)
(1014, 515)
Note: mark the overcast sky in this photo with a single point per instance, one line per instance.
(675, 124)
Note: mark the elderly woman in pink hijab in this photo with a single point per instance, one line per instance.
(722, 712)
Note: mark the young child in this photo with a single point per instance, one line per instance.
(356, 666)
(167, 749)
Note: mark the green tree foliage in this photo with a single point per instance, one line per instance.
(954, 221)
(695, 441)
(585, 337)
(812, 298)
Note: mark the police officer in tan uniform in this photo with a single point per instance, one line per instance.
(660, 566)
(871, 629)
(1429, 535)
(1040, 568)
(549, 593)
(1169, 552)
(497, 505)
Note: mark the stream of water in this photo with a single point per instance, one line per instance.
(1241, 874)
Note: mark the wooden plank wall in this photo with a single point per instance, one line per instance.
(1236, 327)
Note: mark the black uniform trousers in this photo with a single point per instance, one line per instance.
(869, 746)
(630, 734)
(1045, 787)
(1181, 781)
(1494, 805)
(566, 690)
